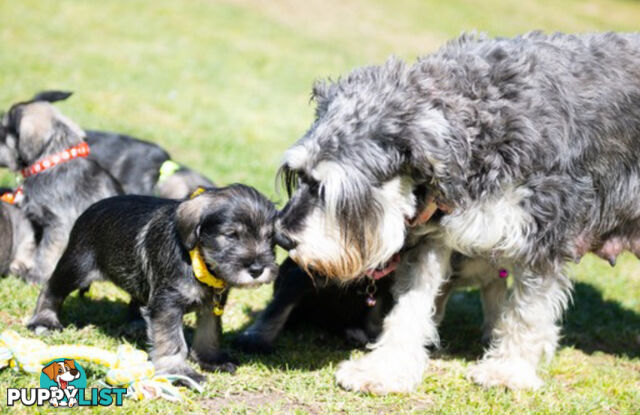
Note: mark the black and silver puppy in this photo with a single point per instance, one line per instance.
(141, 167)
(144, 245)
(17, 243)
(355, 311)
(60, 183)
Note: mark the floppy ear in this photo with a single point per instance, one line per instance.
(52, 96)
(71, 363)
(190, 215)
(50, 370)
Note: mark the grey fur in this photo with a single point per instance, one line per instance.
(55, 197)
(556, 117)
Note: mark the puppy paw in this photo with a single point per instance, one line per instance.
(356, 337)
(20, 269)
(252, 343)
(511, 373)
(216, 362)
(381, 372)
(42, 323)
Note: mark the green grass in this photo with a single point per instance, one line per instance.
(225, 87)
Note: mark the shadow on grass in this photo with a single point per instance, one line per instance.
(590, 324)
(110, 317)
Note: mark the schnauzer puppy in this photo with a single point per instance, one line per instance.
(528, 151)
(357, 310)
(141, 167)
(17, 244)
(60, 183)
(144, 245)
(354, 311)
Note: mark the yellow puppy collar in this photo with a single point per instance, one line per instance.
(203, 275)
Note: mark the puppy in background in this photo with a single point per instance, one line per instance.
(17, 241)
(171, 257)
(59, 181)
(141, 167)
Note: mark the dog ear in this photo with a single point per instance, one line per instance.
(322, 93)
(52, 96)
(70, 362)
(50, 370)
(191, 214)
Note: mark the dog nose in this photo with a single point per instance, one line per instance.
(284, 241)
(255, 270)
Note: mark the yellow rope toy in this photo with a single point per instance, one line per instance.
(128, 367)
(201, 271)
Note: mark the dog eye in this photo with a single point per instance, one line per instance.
(231, 234)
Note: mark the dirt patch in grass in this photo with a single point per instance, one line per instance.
(258, 399)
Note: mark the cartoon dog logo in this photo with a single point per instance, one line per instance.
(62, 373)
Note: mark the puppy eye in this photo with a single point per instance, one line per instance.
(231, 234)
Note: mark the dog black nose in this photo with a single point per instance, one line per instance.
(284, 241)
(73, 372)
(255, 270)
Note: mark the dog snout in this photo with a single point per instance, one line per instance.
(74, 372)
(255, 270)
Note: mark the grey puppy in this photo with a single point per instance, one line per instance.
(17, 244)
(529, 150)
(34, 132)
(141, 167)
(143, 245)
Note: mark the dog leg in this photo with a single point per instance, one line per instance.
(206, 343)
(165, 331)
(494, 295)
(25, 250)
(48, 252)
(291, 286)
(66, 278)
(398, 359)
(525, 332)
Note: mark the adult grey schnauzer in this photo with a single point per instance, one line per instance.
(523, 153)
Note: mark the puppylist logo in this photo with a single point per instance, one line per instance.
(63, 383)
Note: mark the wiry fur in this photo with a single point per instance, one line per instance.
(133, 162)
(17, 244)
(55, 197)
(142, 244)
(531, 143)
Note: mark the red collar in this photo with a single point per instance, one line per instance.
(80, 150)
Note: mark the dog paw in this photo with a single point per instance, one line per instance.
(381, 372)
(216, 362)
(356, 337)
(40, 325)
(19, 269)
(511, 373)
(252, 343)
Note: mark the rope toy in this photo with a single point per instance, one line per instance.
(128, 367)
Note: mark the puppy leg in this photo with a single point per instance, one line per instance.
(54, 239)
(23, 261)
(206, 343)
(398, 359)
(292, 284)
(68, 275)
(525, 332)
(165, 331)
(443, 298)
(493, 295)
